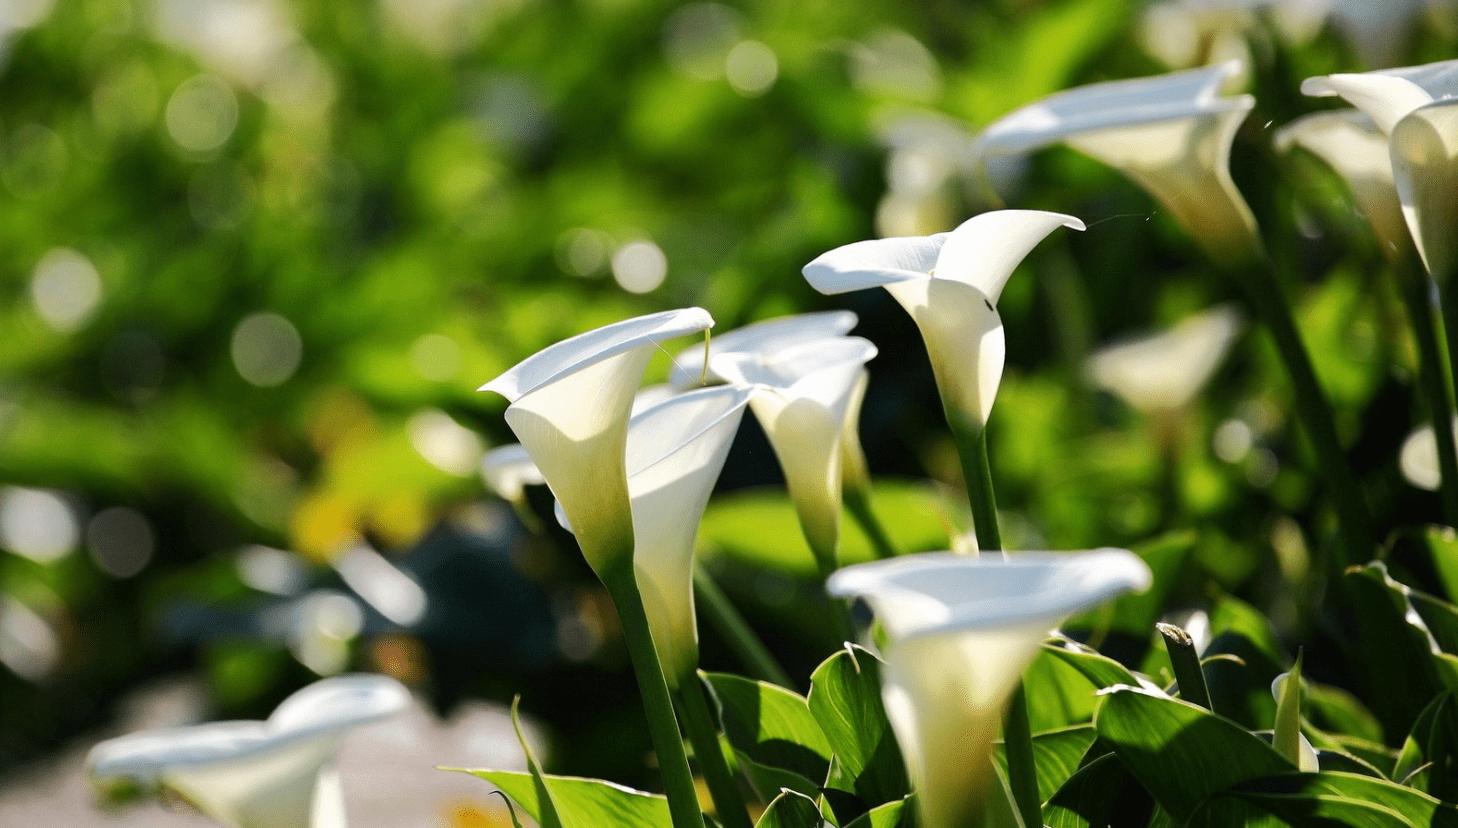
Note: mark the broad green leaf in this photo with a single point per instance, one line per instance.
(1345, 799)
(1095, 795)
(1240, 689)
(1121, 627)
(771, 727)
(791, 810)
(1180, 752)
(1425, 556)
(1429, 757)
(580, 803)
(1340, 713)
(1101, 670)
(1058, 693)
(845, 699)
(1056, 755)
(1401, 660)
(898, 814)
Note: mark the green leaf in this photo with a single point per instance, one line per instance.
(1287, 736)
(1058, 693)
(1121, 627)
(1096, 795)
(1180, 752)
(579, 803)
(1101, 670)
(791, 810)
(1402, 662)
(1056, 755)
(1429, 757)
(772, 729)
(845, 699)
(1241, 689)
(898, 814)
(1344, 799)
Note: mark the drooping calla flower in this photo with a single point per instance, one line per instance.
(1418, 458)
(950, 284)
(569, 408)
(1165, 371)
(248, 774)
(1416, 107)
(765, 339)
(1170, 133)
(802, 397)
(1350, 143)
(960, 631)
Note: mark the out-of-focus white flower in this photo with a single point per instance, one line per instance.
(569, 407)
(269, 774)
(1165, 371)
(1185, 33)
(1170, 133)
(1350, 143)
(961, 630)
(802, 398)
(950, 284)
(1419, 458)
(508, 470)
(1416, 107)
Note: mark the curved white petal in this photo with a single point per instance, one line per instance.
(1424, 150)
(1115, 104)
(649, 396)
(764, 338)
(964, 340)
(873, 263)
(255, 774)
(675, 453)
(508, 470)
(1385, 98)
(1165, 371)
(854, 471)
(1350, 143)
(962, 629)
(984, 250)
(785, 368)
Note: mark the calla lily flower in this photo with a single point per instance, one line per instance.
(569, 408)
(1170, 133)
(268, 774)
(1416, 107)
(764, 339)
(1350, 143)
(508, 470)
(802, 398)
(960, 632)
(1191, 32)
(950, 284)
(1164, 372)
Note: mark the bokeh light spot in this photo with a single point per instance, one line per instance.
(751, 68)
(266, 349)
(38, 524)
(202, 113)
(120, 541)
(65, 288)
(435, 357)
(639, 266)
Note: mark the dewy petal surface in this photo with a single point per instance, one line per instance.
(1350, 143)
(765, 338)
(985, 250)
(961, 631)
(1424, 149)
(675, 453)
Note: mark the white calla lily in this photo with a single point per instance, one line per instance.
(569, 407)
(248, 774)
(961, 630)
(1170, 133)
(1350, 143)
(1417, 107)
(802, 398)
(508, 470)
(765, 339)
(1164, 372)
(1191, 32)
(950, 284)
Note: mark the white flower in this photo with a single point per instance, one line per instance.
(764, 339)
(1419, 458)
(802, 398)
(1416, 107)
(961, 630)
(569, 407)
(950, 284)
(268, 774)
(1191, 32)
(1350, 143)
(1163, 372)
(1170, 133)
(508, 470)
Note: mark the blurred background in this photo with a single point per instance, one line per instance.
(257, 255)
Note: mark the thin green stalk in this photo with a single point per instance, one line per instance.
(1022, 772)
(1185, 660)
(1356, 539)
(857, 501)
(1416, 294)
(736, 632)
(705, 738)
(678, 780)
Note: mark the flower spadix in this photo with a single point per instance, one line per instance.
(249, 774)
(569, 408)
(802, 398)
(1417, 108)
(1352, 145)
(950, 284)
(960, 631)
(1165, 371)
(1170, 133)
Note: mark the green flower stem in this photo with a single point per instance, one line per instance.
(678, 780)
(1017, 734)
(736, 632)
(825, 559)
(857, 501)
(1416, 293)
(1186, 663)
(1356, 540)
(705, 738)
